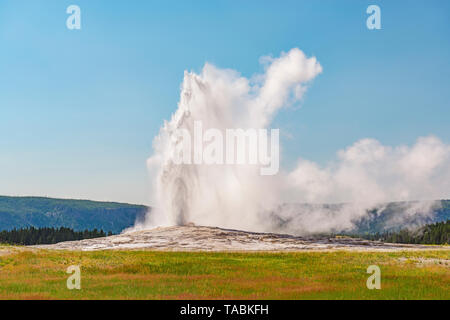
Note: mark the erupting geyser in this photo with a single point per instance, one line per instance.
(221, 194)
(237, 196)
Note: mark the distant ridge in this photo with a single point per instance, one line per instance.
(22, 212)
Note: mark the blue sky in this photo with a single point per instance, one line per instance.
(79, 108)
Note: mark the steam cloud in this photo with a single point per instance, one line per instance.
(364, 176)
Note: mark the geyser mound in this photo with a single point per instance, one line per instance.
(197, 238)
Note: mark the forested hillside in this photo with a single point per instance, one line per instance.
(33, 236)
(23, 212)
(437, 233)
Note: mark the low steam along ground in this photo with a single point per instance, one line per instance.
(135, 274)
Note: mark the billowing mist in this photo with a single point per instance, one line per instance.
(364, 176)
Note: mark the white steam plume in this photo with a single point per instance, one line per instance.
(369, 171)
(364, 175)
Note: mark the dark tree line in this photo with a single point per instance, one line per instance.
(32, 236)
(438, 233)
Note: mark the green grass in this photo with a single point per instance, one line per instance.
(39, 274)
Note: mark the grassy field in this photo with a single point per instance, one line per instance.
(39, 274)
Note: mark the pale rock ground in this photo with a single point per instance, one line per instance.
(197, 238)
